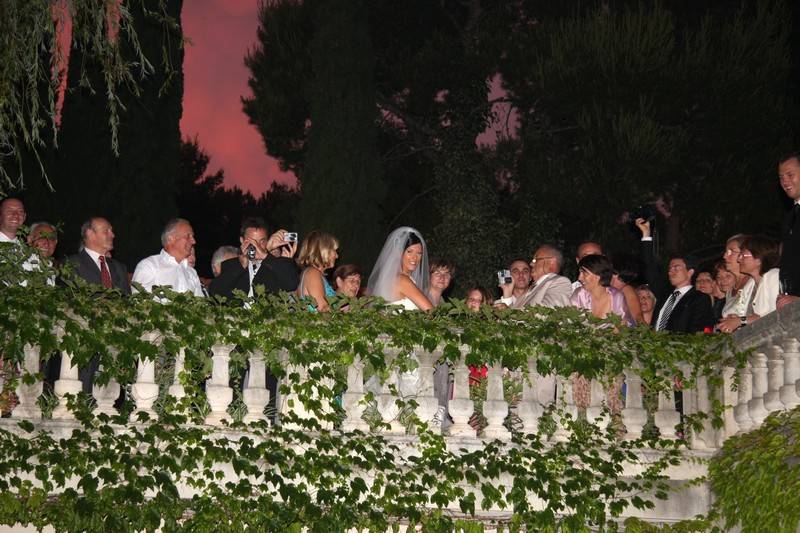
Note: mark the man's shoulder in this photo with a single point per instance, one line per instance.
(232, 263)
(559, 282)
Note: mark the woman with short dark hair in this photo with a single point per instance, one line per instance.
(596, 293)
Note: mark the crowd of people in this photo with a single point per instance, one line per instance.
(755, 276)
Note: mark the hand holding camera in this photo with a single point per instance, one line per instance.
(282, 243)
(505, 282)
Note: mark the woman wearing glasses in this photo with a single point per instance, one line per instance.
(758, 257)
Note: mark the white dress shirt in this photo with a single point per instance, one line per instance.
(163, 270)
(6, 238)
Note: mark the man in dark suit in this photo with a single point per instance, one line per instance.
(789, 175)
(94, 265)
(271, 265)
(92, 262)
(679, 307)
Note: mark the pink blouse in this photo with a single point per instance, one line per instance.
(582, 299)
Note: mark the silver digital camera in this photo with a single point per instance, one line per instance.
(504, 277)
(290, 237)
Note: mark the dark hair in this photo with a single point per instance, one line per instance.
(789, 156)
(412, 240)
(252, 222)
(521, 260)
(440, 263)
(719, 265)
(689, 260)
(627, 267)
(487, 297)
(588, 241)
(345, 271)
(764, 248)
(598, 265)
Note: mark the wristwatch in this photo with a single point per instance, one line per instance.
(742, 321)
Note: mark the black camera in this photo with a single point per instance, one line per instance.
(646, 211)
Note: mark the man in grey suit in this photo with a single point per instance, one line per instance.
(549, 289)
(93, 263)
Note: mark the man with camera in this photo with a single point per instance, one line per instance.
(549, 289)
(265, 261)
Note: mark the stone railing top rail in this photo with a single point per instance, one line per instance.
(770, 329)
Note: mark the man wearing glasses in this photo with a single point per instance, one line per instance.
(549, 289)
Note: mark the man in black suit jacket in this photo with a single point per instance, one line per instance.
(679, 306)
(273, 272)
(789, 175)
(97, 237)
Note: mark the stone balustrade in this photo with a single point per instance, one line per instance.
(769, 382)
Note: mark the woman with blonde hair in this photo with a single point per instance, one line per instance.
(318, 253)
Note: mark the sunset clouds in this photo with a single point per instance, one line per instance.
(220, 34)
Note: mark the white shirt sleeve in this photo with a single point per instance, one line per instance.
(145, 275)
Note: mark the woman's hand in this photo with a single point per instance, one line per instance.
(729, 324)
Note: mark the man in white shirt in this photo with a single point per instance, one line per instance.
(44, 238)
(171, 267)
(549, 289)
(12, 217)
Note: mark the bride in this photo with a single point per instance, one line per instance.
(400, 275)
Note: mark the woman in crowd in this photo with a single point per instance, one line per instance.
(758, 258)
(318, 253)
(598, 296)
(596, 293)
(647, 303)
(442, 272)
(737, 299)
(724, 281)
(347, 280)
(401, 274)
(478, 296)
(626, 272)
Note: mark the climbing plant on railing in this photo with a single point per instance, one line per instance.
(173, 473)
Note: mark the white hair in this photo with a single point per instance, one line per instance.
(169, 228)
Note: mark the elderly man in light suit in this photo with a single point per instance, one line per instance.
(549, 289)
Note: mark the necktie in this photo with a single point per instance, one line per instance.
(105, 275)
(662, 322)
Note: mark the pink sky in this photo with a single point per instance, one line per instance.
(215, 79)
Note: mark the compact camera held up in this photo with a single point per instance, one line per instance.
(290, 237)
(646, 211)
(504, 277)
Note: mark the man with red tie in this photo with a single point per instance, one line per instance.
(93, 263)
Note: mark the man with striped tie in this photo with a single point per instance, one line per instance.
(685, 310)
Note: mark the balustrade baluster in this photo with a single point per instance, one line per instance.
(772, 398)
(218, 390)
(461, 406)
(387, 400)
(634, 416)
(755, 406)
(594, 411)
(729, 398)
(106, 395)
(791, 373)
(255, 395)
(667, 416)
(742, 411)
(529, 408)
(565, 400)
(144, 391)
(28, 394)
(67, 383)
(177, 390)
(495, 408)
(706, 438)
(427, 403)
(353, 398)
